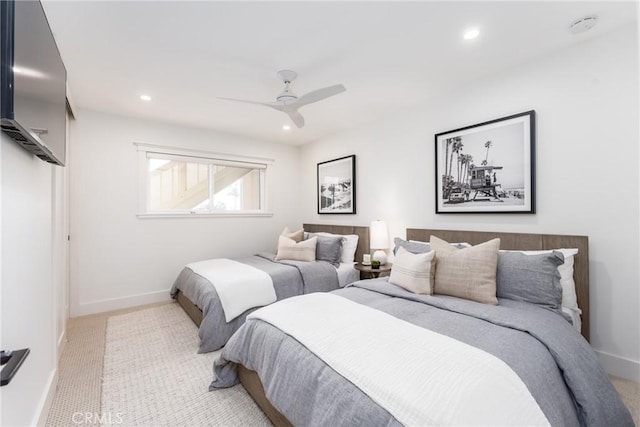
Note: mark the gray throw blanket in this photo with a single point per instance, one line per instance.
(290, 278)
(558, 366)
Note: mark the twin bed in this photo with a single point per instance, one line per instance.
(194, 292)
(373, 353)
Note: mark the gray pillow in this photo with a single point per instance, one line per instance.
(530, 278)
(328, 248)
(413, 247)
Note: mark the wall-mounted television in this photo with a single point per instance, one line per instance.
(33, 81)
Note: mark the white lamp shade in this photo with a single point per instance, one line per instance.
(378, 238)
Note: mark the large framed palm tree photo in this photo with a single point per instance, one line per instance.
(337, 186)
(488, 167)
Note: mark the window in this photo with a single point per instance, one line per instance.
(177, 182)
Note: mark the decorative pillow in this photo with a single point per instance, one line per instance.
(329, 248)
(461, 245)
(413, 272)
(569, 297)
(349, 245)
(530, 278)
(412, 246)
(468, 273)
(302, 251)
(296, 236)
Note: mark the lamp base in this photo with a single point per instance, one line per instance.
(380, 255)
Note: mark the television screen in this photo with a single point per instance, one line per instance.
(33, 82)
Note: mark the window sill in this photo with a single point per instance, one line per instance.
(204, 215)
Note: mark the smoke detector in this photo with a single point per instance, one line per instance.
(583, 24)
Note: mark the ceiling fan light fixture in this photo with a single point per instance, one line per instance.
(286, 127)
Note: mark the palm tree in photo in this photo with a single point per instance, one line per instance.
(487, 145)
(462, 158)
(449, 141)
(457, 142)
(468, 160)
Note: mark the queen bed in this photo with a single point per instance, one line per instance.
(194, 291)
(376, 354)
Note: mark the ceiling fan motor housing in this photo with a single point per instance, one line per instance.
(287, 76)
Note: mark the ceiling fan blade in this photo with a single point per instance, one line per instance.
(277, 106)
(320, 94)
(297, 118)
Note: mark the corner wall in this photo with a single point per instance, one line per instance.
(587, 105)
(119, 260)
(29, 308)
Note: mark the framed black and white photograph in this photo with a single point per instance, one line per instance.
(488, 167)
(337, 186)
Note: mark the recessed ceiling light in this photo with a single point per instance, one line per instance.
(286, 127)
(583, 24)
(145, 97)
(471, 33)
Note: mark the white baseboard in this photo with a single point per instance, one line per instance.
(62, 341)
(119, 303)
(47, 400)
(620, 366)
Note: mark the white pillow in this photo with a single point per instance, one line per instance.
(349, 245)
(413, 272)
(569, 297)
(303, 251)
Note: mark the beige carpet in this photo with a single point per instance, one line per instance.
(80, 373)
(153, 375)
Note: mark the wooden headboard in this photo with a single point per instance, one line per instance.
(531, 242)
(362, 232)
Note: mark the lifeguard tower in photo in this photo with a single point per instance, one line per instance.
(484, 182)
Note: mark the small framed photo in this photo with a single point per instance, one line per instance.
(488, 167)
(337, 186)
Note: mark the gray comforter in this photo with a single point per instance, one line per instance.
(290, 278)
(555, 362)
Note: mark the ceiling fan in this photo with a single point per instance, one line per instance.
(289, 103)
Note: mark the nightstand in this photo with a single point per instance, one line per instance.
(366, 272)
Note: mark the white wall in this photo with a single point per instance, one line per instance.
(119, 260)
(586, 99)
(30, 248)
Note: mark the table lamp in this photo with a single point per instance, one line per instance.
(379, 241)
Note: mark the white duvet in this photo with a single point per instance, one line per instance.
(239, 286)
(419, 376)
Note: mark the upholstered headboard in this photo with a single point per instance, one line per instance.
(524, 241)
(362, 232)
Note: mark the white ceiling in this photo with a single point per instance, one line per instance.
(391, 56)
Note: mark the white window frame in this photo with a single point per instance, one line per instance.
(183, 154)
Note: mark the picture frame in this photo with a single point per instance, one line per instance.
(337, 186)
(488, 167)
